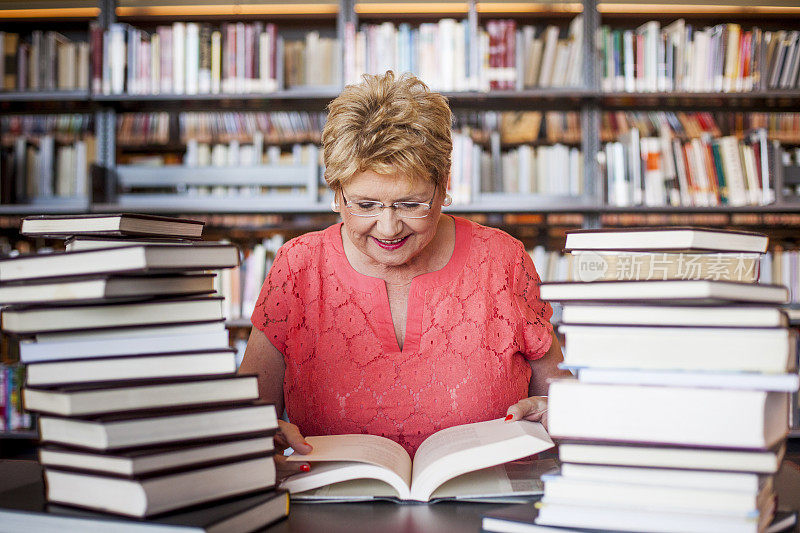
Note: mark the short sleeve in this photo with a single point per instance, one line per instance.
(536, 327)
(277, 302)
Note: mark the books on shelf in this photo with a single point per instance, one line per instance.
(460, 462)
(701, 171)
(124, 224)
(458, 55)
(683, 57)
(13, 416)
(44, 61)
(47, 159)
(193, 58)
(150, 495)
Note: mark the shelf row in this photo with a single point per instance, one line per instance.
(317, 100)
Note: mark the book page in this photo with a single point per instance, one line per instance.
(345, 481)
(461, 449)
(370, 449)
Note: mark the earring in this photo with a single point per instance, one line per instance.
(334, 205)
(447, 200)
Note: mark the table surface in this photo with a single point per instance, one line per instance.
(388, 517)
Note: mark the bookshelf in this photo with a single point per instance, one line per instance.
(332, 18)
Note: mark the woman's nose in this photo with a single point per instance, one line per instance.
(389, 223)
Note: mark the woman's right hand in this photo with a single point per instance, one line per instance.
(289, 436)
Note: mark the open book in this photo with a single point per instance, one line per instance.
(461, 462)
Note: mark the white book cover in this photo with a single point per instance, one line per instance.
(178, 58)
(549, 56)
(216, 62)
(192, 55)
(667, 415)
(117, 58)
(165, 59)
(155, 64)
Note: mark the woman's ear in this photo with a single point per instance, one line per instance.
(335, 203)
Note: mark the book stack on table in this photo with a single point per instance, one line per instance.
(140, 409)
(678, 417)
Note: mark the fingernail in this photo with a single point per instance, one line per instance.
(509, 418)
(305, 468)
(307, 444)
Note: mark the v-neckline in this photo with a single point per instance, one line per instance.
(419, 284)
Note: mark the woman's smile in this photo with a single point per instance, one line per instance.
(391, 244)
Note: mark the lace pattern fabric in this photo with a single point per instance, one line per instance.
(470, 328)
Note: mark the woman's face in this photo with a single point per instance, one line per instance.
(388, 239)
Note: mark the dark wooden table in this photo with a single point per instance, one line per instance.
(387, 517)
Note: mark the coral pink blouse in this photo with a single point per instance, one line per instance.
(471, 327)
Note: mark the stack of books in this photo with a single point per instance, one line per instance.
(140, 410)
(684, 364)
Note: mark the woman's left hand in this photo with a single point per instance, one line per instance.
(533, 409)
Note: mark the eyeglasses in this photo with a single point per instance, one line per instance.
(371, 208)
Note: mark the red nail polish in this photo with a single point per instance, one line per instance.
(509, 417)
(305, 468)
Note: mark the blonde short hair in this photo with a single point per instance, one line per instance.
(386, 125)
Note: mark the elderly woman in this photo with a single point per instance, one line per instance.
(400, 320)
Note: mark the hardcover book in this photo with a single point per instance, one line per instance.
(121, 431)
(149, 495)
(655, 456)
(588, 265)
(123, 341)
(85, 242)
(24, 508)
(667, 239)
(125, 396)
(139, 462)
(132, 367)
(121, 224)
(29, 320)
(721, 349)
(741, 419)
(753, 316)
(106, 288)
(698, 292)
(128, 259)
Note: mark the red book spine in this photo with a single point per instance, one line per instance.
(96, 45)
(509, 51)
(492, 28)
(272, 31)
